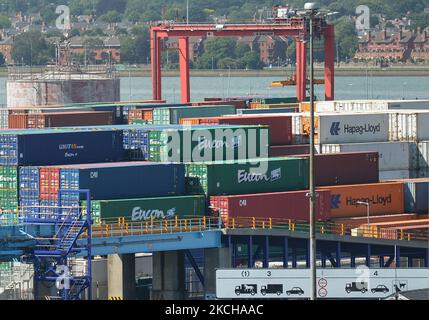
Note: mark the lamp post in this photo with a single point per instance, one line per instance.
(363, 203)
(311, 9)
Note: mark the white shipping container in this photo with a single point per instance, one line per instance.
(392, 155)
(423, 154)
(357, 127)
(409, 125)
(298, 137)
(4, 118)
(397, 174)
(408, 104)
(351, 106)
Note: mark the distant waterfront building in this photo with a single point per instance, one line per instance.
(421, 46)
(6, 49)
(386, 45)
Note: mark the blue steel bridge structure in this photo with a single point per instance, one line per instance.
(50, 242)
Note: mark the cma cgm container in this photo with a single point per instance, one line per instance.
(173, 115)
(346, 168)
(383, 198)
(348, 127)
(48, 147)
(280, 125)
(289, 150)
(60, 119)
(247, 176)
(145, 209)
(125, 179)
(416, 193)
(208, 143)
(392, 155)
(280, 205)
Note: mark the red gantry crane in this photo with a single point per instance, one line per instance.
(288, 26)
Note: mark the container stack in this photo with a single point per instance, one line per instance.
(133, 170)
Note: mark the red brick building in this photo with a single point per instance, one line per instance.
(421, 46)
(6, 49)
(393, 46)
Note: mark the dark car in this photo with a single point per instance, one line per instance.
(380, 288)
(295, 290)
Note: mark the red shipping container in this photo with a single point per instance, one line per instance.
(239, 104)
(60, 119)
(279, 205)
(49, 183)
(289, 150)
(140, 114)
(345, 168)
(280, 125)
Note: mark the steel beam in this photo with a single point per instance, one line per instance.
(194, 265)
(368, 256)
(184, 69)
(398, 256)
(155, 60)
(338, 255)
(266, 252)
(285, 252)
(250, 252)
(329, 62)
(352, 261)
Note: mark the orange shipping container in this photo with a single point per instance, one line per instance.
(383, 198)
(140, 114)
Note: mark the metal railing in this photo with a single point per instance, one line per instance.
(123, 227)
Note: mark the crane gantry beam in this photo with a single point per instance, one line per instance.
(294, 27)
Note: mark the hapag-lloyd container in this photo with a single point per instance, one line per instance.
(280, 205)
(60, 119)
(55, 146)
(409, 125)
(173, 115)
(247, 176)
(145, 209)
(208, 143)
(392, 155)
(365, 105)
(345, 168)
(398, 174)
(289, 150)
(280, 125)
(348, 127)
(383, 198)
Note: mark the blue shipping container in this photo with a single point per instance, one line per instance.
(124, 180)
(416, 197)
(51, 148)
(29, 183)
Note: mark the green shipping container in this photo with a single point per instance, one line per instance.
(172, 115)
(145, 208)
(236, 142)
(8, 194)
(234, 177)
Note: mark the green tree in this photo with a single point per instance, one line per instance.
(251, 60)
(346, 38)
(32, 48)
(4, 21)
(111, 17)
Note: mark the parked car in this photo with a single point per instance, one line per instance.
(295, 290)
(380, 288)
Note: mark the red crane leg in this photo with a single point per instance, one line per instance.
(301, 70)
(155, 60)
(329, 62)
(184, 69)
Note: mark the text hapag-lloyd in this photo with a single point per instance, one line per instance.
(138, 214)
(244, 176)
(374, 200)
(349, 129)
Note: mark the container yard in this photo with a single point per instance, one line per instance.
(152, 200)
